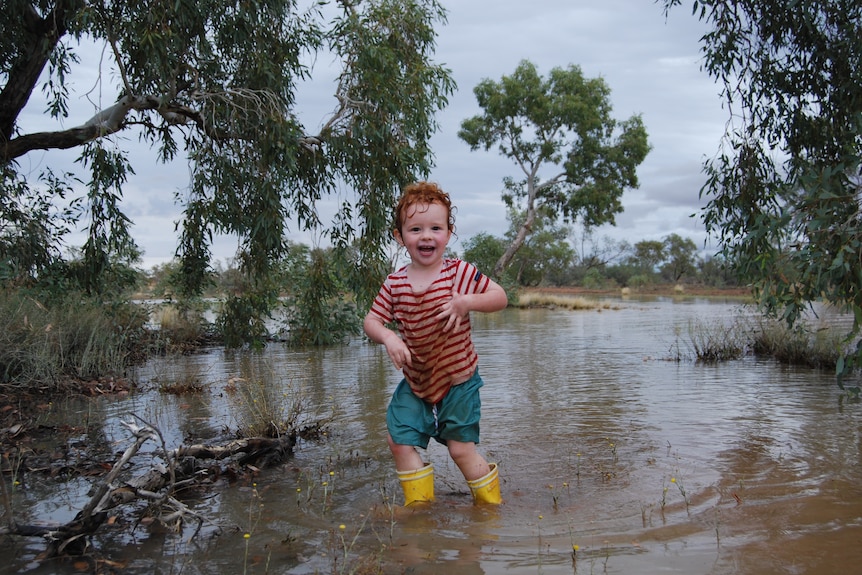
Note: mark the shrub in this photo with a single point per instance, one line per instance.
(639, 280)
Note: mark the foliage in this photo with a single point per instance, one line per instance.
(483, 250)
(217, 81)
(714, 271)
(30, 222)
(784, 189)
(680, 254)
(564, 124)
(594, 279)
(319, 313)
(640, 280)
(548, 258)
(648, 254)
(180, 327)
(545, 254)
(243, 317)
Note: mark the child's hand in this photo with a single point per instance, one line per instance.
(454, 311)
(398, 352)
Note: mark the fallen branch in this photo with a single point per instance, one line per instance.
(157, 486)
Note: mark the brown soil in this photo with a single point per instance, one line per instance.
(656, 290)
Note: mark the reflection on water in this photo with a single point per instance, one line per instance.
(646, 464)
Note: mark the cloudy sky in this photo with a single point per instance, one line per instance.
(650, 63)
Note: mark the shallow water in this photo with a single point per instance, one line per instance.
(604, 441)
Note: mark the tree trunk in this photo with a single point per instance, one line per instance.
(43, 35)
(521, 237)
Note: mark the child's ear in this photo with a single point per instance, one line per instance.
(397, 235)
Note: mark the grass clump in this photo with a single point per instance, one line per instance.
(538, 299)
(267, 407)
(44, 346)
(818, 347)
(185, 380)
(181, 327)
(802, 344)
(717, 341)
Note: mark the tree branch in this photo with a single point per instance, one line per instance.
(42, 37)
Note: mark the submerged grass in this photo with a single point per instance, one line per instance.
(267, 406)
(717, 341)
(818, 346)
(812, 346)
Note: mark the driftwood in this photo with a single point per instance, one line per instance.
(158, 486)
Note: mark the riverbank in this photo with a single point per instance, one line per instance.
(669, 290)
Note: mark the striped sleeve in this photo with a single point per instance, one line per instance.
(383, 304)
(469, 280)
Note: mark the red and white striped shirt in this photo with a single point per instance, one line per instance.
(440, 360)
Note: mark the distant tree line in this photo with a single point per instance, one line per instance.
(555, 255)
(552, 256)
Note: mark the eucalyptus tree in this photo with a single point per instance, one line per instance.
(576, 160)
(784, 189)
(648, 255)
(680, 257)
(545, 256)
(216, 82)
(483, 250)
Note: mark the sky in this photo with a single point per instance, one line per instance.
(650, 63)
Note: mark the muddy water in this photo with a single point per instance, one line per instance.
(604, 441)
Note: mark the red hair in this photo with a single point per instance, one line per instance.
(423, 193)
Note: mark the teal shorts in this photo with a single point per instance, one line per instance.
(412, 421)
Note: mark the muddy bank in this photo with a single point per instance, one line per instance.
(648, 291)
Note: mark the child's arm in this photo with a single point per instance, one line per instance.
(492, 299)
(377, 332)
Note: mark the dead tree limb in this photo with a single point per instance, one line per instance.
(157, 486)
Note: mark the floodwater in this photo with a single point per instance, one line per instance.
(605, 442)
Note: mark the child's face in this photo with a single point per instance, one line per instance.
(425, 233)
